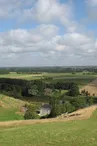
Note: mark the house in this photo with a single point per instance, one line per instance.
(45, 110)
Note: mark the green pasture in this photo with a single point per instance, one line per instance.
(10, 108)
(54, 76)
(73, 133)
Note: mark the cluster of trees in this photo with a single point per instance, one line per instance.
(19, 88)
(67, 105)
(59, 103)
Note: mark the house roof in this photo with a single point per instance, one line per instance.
(46, 106)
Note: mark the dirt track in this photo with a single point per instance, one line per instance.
(91, 88)
(78, 115)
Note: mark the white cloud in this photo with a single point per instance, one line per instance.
(13, 8)
(92, 9)
(92, 3)
(41, 11)
(45, 40)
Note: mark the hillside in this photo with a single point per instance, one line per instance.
(10, 108)
(71, 133)
(91, 88)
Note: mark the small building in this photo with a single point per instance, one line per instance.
(45, 110)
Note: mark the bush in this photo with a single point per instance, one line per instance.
(31, 115)
(69, 107)
(31, 112)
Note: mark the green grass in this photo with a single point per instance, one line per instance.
(55, 76)
(10, 108)
(73, 133)
(9, 114)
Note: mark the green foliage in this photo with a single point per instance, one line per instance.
(69, 107)
(89, 100)
(73, 133)
(33, 90)
(54, 101)
(74, 90)
(31, 112)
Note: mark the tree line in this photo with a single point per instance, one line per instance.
(21, 87)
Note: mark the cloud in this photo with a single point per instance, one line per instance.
(39, 11)
(92, 9)
(12, 8)
(92, 3)
(45, 40)
(52, 11)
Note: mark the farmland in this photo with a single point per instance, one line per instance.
(80, 78)
(72, 133)
(91, 88)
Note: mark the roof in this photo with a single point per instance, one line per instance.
(46, 106)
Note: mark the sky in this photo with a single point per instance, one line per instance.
(48, 32)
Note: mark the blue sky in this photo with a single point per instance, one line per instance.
(48, 32)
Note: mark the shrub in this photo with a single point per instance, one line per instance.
(31, 115)
(69, 107)
(31, 112)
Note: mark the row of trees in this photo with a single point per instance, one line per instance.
(19, 88)
(50, 69)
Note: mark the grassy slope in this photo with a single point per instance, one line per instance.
(8, 108)
(73, 133)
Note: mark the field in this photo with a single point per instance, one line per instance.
(10, 108)
(49, 75)
(77, 129)
(79, 78)
(71, 133)
(91, 88)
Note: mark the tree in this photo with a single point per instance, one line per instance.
(54, 101)
(33, 90)
(31, 112)
(47, 92)
(74, 90)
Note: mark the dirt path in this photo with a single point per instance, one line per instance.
(78, 115)
(91, 88)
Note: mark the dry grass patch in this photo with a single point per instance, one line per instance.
(91, 88)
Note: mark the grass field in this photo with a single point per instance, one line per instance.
(72, 133)
(44, 75)
(10, 108)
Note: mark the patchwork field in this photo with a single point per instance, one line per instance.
(78, 78)
(55, 76)
(71, 133)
